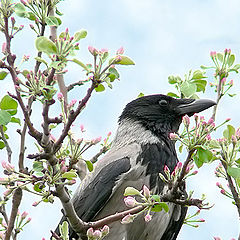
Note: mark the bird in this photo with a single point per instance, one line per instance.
(140, 150)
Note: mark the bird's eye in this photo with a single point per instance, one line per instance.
(163, 103)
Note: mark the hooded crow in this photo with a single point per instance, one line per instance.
(139, 152)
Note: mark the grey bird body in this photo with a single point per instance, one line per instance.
(138, 154)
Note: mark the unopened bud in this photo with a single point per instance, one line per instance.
(130, 201)
(146, 191)
(127, 219)
(105, 230)
(120, 51)
(148, 218)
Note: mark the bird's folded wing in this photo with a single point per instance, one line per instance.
(94, 197)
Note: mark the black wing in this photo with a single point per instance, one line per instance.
(97, 193)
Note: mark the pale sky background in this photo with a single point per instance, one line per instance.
(163, 38)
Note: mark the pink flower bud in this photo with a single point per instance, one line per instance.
(120, 51)
(179, 165)
(195, 117)
(109, 134)
(201, 220)
(96, 140)
(28, 220)
(217, 238)
(72, 103)
(173, 136)
(195, 172)
(104, 50)
(238, 133)
(231, 82)
(105, 230)
(148, 218)
(201, 118)
(90, 232)
(213, 54)
(24, 215)
(23, 2)
(210, 121)
(127, 219)
(60, 96)
(117, 59)
(223, 191)
(66, 30)
(35, 204)
(93, 50)
(7, 192)
(146, 191)
(223, 81)
(97, 234)
(228, 119)
(186, 120)
(234, 139)
(166, 169)
(130, 201)
(218, 184)
(13, 20)
(208, 137)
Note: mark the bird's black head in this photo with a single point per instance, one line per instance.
(162, 114)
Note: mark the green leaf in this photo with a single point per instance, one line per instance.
(69, 175)
(172, 79)
(45, 45)
(198, 161)
(38, 187)
(64, 230)
(220, 57)
(9, 104)
(171, 94)
(140, 95)
(58, 12)
(39, 59)
(113, 74)
(233, 172)
(188, 89)
(31, 16)
(37, 166)
(5, 117)
(25, 73)
(80, 64)
(89, 166)
(2, 144)
(20, 10)
(3, 74)
(124, 61)
(158, 207)
(229, 132)
(100, 88)
(236, 67)
(15, 120)
(131, 191)
(53, 21)
(156, 198)
(79, 35)
(231, 60)
(198, 74)
(201, 85)
(232, 95)
(204, 155)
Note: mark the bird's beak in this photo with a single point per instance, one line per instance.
(191, 106)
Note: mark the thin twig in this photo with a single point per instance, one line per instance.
(73, 115)
(9, 151)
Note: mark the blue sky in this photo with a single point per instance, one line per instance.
(163, 38)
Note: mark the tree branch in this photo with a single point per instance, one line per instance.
(17, 197)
